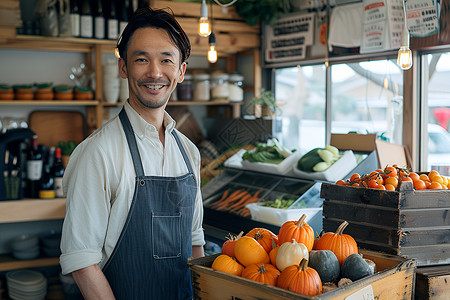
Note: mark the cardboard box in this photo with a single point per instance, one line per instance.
(394, 279)
(409, 223)
(387, 153)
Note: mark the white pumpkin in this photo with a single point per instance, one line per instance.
(291, 254)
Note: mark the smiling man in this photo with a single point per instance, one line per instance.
(134, 210)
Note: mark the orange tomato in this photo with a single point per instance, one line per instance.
(424, 177)
(436, 178)
(406, 178)
(419, 184)
(435, 186)
(414, 176)
(341, 182)
(381, 187)
(389, 187)
(355, 178)
(392, 181)
(390, 171)
(372, 184)
(433, 173)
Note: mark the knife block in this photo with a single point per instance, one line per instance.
(11, 186)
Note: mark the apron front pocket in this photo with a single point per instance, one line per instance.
(166, 235)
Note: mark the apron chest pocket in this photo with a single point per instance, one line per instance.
(166, 235)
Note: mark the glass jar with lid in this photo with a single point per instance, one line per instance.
(201, 87)
(236, 88)
(219, 86)
(184, 89)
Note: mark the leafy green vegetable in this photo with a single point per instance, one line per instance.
(272, 152)
(281, 201)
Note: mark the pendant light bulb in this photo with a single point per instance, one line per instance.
(404, 58)
(204, 27)
(212, 53)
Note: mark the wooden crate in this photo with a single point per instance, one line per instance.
(433, 283)
(395, 280)
(409, 223)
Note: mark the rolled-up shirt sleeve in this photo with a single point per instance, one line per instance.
(87, 209)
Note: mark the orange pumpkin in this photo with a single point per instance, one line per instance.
(263, 237)
(300, 231)
(227, 264)
(265, 273)
(273, 253)
(228, 246)
(301, 279)
(248, 251)
(342, 245)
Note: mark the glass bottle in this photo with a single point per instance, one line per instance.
(219, 86)
(75, 18)
(113, 22)
(184, 89)
(99, 21)
(236, 88)
(58, 173)
(123, 16)
(201, 87)
(34, 168)
(87, 20)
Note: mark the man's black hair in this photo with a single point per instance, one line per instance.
(155, 18)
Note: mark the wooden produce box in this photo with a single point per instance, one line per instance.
(394, 279)
(433, 283)
(409, 223)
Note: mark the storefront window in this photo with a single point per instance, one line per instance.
(367, 98)
(436, 79)
(300, 94)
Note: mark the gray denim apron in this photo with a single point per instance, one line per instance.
(150, 258)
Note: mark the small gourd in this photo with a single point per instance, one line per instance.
(301, 279)
(227, 264)
(265, 273)
(248, 251)
(341, 244)
(325, 263)
(355, 267)
(273, 253)
(291, 253)
(228, 245)
(298, 230)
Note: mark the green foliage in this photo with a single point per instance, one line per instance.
(254, 11)
(266, 99)
(67, 147)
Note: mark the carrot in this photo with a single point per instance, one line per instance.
(233, 197)
(241, 201)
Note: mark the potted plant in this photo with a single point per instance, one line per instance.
(67, 148)
(265, 104)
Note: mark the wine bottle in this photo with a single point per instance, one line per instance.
(87, 20)
(34, 168)
(75, 18)
(113, 22)
(58, 173)
(47, 182)
(99, 22)
(124, 16)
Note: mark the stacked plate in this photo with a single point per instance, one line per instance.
(25, 246)
(50, 243)
(26, 285)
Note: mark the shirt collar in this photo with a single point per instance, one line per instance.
(142, 128)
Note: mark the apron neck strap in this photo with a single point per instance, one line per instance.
(129, 133)
(180, 146)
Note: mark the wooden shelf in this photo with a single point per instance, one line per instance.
(32, 210)
(50, 102)
(7, 262)
(187, 103)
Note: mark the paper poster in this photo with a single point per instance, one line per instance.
(373, 39)
(422, 17)
(288, 38)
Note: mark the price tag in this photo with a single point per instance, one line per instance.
(363, 294)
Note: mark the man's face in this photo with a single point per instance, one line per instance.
(153, 67)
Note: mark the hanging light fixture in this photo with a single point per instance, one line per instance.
(404, 58)
(212, 53)
(204, 27)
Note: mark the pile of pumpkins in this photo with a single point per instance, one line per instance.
(294, 259)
